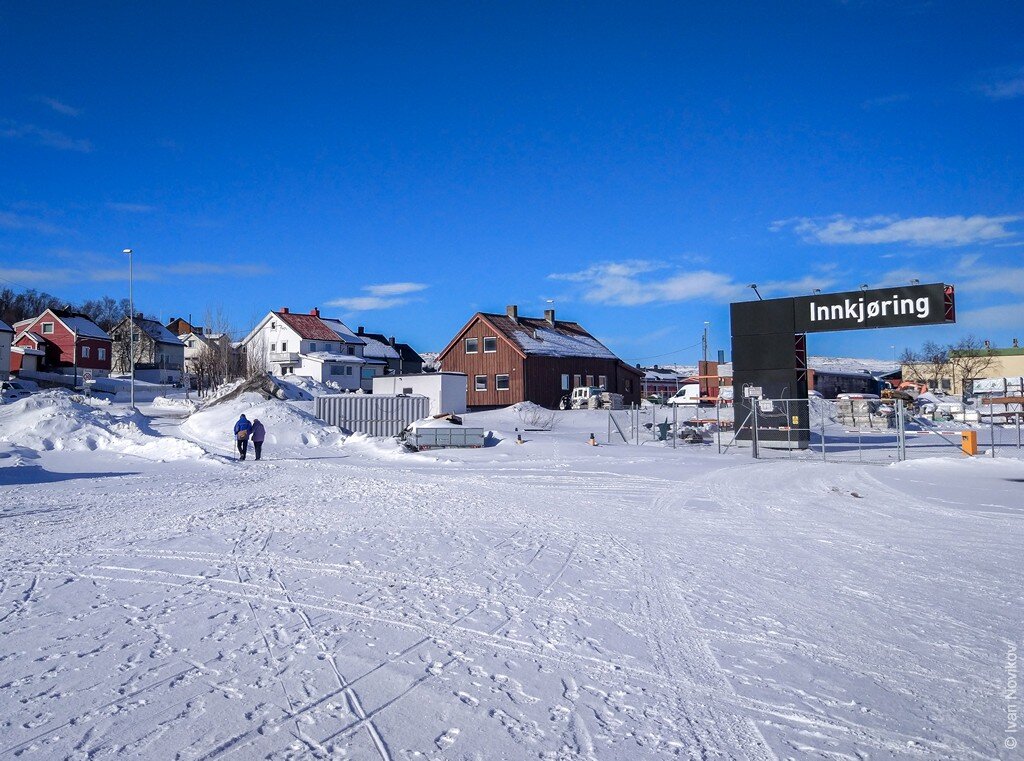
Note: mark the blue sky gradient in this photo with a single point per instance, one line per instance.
(404, 165)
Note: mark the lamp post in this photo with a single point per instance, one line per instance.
(131, 322)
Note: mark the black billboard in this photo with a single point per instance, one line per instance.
(898, 307)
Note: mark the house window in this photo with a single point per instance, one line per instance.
(565, 383)
(101, 353)
(501, 382)
(602, 381)
(629, 385)
(273, 347)
(47, 328)
(351, 350)
(337, 370)
(348, 370)
(472, 345)
(577, 381)
(85, 352)
(284, 346)
(312, 345)
(490, 344)
(273, 325)
(481, 383)
(590, 380)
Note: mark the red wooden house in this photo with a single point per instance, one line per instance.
(68, 341)
(510, 359)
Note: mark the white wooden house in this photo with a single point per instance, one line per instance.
(322, 348)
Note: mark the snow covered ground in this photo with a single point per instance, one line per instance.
(550, 600)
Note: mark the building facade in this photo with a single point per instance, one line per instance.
(508, 359)
(70, 342)
(159, 354)
(6, 341)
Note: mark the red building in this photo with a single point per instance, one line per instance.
(510, 359)
(68, 341)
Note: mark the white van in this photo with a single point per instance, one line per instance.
(689, 394)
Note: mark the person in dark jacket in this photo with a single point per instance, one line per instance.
(243, 428)
(259, 433)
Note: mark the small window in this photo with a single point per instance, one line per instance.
(577, 381)
(312, 345)
(590, 380)
(284, 346)
(101, 353)
(472, 345)
(629, 385)
(273, 347)
(481, 383)
(602, 381)
(273, 325)
(351, 350)
(337, 370)
(85, 352)
(565, 383)
(47, 328)
(501, 382)
(490, 344)
(406, 390)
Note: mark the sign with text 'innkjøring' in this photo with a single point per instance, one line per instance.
(902, 306)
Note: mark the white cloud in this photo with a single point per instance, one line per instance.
(13, 221)
(47, 137)
(132, 208)
(917, 231)
(382, 296)
(637, 282)
(394, 289)
(991, 318)
(1009, 87)
(44, 276)
(59, 107)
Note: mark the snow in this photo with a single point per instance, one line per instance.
(83, 326)
(554, 343)
(5, 328)
(549, 600)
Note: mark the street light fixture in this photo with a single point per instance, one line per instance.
(131, 322)
(915, 281)
(863, 286)
(753, 286)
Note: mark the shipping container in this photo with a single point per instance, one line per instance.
(372, 414)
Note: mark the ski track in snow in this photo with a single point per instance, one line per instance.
(587, 604)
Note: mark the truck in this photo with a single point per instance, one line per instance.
(592, 398)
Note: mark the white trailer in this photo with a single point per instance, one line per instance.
(446, 391)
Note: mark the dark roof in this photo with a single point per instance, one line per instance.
(536, 336)
(308, 326)
(406, 352)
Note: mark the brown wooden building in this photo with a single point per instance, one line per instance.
(510, 359)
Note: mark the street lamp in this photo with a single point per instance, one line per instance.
(753, 286)
(131, 322)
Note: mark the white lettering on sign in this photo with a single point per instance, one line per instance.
(860, 310)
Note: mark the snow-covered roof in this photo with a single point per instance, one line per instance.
(85, 327)
(559, 342)
(28, 350)
(378, 349)
(157, 332)
(5, 328)
(852, 365)
(330, 356)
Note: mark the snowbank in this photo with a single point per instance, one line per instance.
(286, 424)
(171, 403)
(60, 420)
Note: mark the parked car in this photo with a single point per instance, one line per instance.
(12, 391)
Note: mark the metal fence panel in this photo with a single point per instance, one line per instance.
(372, 414)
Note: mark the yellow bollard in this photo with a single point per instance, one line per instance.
(969, 442)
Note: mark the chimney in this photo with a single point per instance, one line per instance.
(359, 330)
(284, 310)
(513, 312)
(315, 311)
(549, 317)
(391, 340)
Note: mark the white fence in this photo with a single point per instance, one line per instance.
(372, 414)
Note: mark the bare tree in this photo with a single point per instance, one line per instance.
(969, 358)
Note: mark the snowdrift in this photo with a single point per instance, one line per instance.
(286, 424)
(60, 420)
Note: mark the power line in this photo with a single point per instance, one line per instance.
(669, 353)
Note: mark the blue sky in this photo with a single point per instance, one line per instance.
(404, 165)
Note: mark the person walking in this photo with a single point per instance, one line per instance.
(259, 433)
(242, 430)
